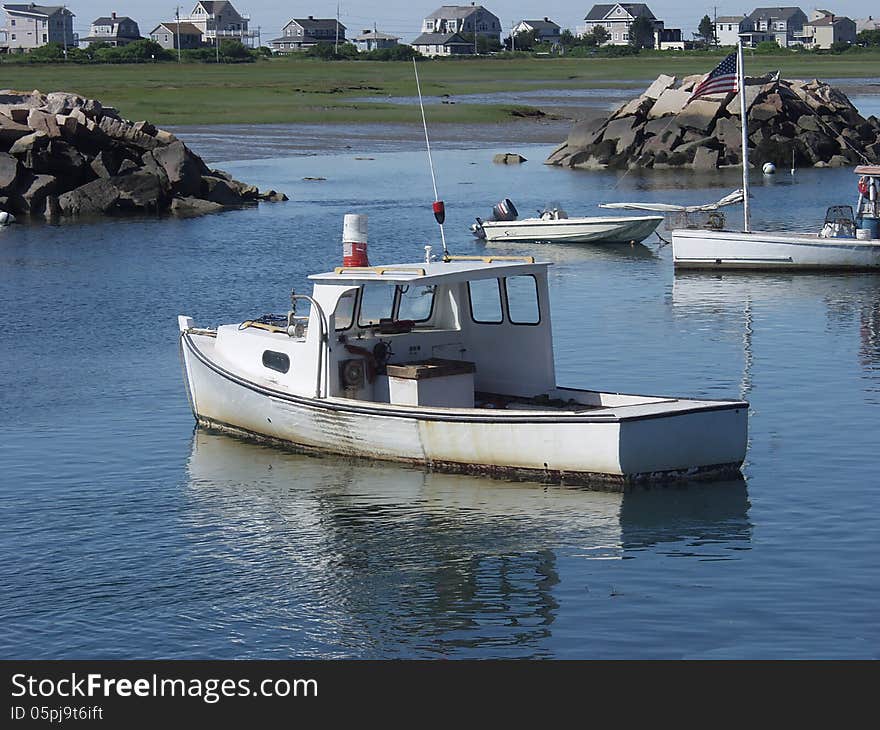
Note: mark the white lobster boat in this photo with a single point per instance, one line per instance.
(450, 365)
(847, 241)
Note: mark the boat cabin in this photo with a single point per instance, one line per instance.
(458, 334)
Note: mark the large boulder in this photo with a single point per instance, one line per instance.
(189, 206)
(36, 190)
(11, 131)
(92, 199)
(810, 121)
(183, 168)
(140, 190)
(9, 171)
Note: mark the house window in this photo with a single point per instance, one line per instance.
(12, 22)
(13, 36)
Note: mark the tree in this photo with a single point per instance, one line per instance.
(641, 33)
(868, 38)
(597, 36)
(706, 30)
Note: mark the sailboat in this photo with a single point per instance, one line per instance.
(847, 239)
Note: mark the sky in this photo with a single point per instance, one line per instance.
(403, 17)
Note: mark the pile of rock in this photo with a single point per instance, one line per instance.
(63, 155)
(811, 122)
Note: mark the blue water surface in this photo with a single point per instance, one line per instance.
(129, 534)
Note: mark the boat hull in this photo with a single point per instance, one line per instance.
(573, 230)
(599, 451)
(704, 249)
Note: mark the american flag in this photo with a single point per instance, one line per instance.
(720, 81)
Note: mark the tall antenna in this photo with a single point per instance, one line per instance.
(439, 209)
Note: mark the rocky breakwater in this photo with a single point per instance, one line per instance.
(809, 122)
(65, 156)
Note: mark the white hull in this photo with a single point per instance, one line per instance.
(631, 440)
(600, 229)
(758, 250)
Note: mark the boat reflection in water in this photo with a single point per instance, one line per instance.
(372, 558)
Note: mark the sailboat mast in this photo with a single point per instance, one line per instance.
(741, 86)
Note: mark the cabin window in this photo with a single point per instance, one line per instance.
(485, 298)
(276, 361)
(415, 302)
(522, 299)
(344, 314)
(377, 302)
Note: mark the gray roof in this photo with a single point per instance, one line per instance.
(111, 21)
(440, 39)
(308, 24)
(542, 24)
(775, 13)
(455, 11)
(377, 35)
(730, 18)
(598, 12)
(214, 6)
(172, 27)
(46, 10)
(830, 20)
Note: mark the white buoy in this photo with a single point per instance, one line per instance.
(354, 240)
(6, 218)
(769, 168)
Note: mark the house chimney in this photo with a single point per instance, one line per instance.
(311, 17)
(113, 15)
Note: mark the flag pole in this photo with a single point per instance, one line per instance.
(741, 87)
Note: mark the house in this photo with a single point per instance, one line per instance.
(470, 19)
(30, 26)
(616, 19)
(728, 28)
(670, 39)
(174, 35)
(545, 31)
(443, 44)
(116, 30)
(784, 25)
(371, 40)
(220, 20)
(302, 33)
(869, 23)
(825, 31)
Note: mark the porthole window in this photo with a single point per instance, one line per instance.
(277, 361)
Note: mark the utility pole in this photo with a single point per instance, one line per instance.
(715, 24)
(336, 45)
(64, 26)
(177, 17)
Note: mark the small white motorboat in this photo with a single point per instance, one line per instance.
(446, 364)
(553, 225)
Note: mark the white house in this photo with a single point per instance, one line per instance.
(219, 19)
(545, 31)
(371, 40)
(728, 28)
(616, 19)
(30, 26)
(469, 19)
(827, 29)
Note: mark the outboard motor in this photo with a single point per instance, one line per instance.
(504, 211)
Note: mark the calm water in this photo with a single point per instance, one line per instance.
(126, 533)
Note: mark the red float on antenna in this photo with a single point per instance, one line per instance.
(439, 211)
